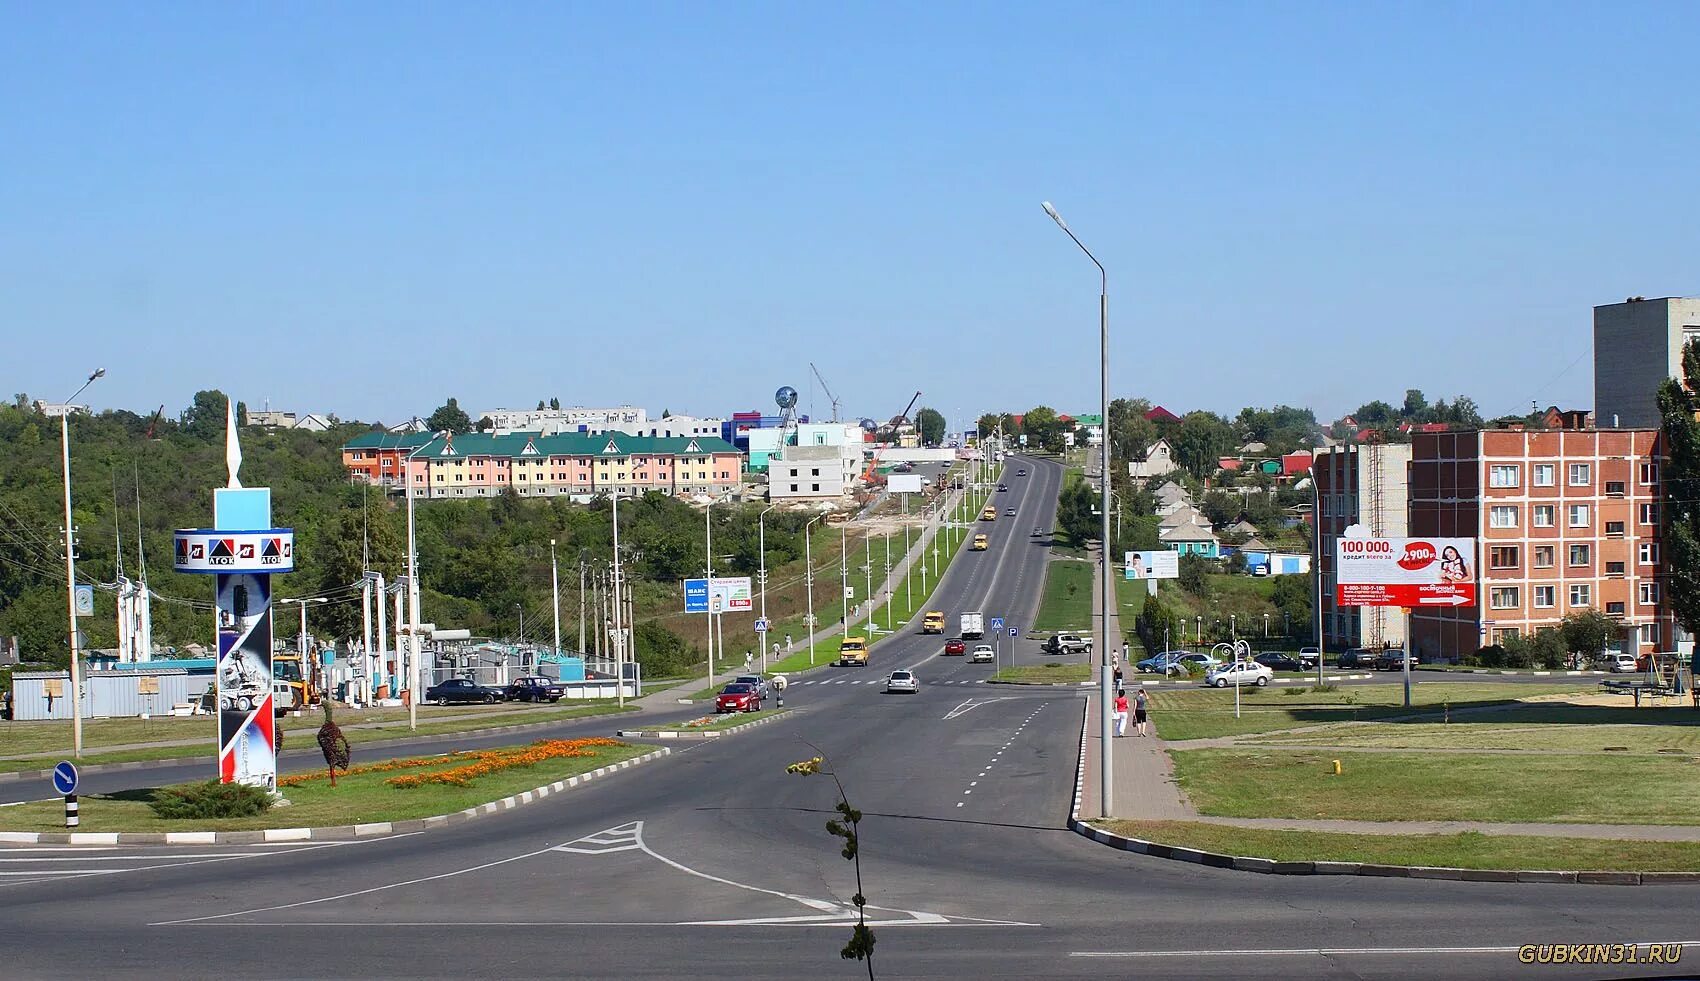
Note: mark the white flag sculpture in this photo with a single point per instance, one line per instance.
(232, 449)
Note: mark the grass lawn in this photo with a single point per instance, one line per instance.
(1199, 713)
(1580, 729)
(1045, 674)
(731, 720)
(1426, 787)
(1463, 851)
(357, 799)
(1066, 603)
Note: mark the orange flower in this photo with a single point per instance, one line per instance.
(468, 765)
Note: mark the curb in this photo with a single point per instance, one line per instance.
(1269, 866)
(344, 832)
(286, 754)
(703, 734)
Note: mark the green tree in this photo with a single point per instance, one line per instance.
(1200, 441)
(1075, 513)
(204, 418)
(449, 417)
(1293, 598)
(555, 404)
(1678, 405)
(931, 424)
(1416, 405)
(1194, 575)
(1042, 428)
(1588, 631)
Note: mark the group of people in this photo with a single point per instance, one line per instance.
(1121, 707)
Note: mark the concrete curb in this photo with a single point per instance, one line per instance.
(699, 734)
(1269, 866)
(291, 753)
(1497, 671)
(340, 833)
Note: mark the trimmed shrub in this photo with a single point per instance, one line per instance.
(210, 800)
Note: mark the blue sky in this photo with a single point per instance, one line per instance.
(366, 208)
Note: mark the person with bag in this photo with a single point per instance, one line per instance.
(1121, 713)
(1139, 712)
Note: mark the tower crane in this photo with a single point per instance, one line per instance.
(828, 388)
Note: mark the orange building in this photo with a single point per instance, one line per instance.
(376, 457)
(1564, 521)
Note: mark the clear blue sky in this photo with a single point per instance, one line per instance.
(365, 208)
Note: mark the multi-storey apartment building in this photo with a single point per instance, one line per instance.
(1360, 484)
(377, 458)
(572, 465)
(1637, 345)
(1564, 521)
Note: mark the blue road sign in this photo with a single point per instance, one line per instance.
(761, 625)
(1012, 631)
(65, 778)
(696, 595)
(997, 623)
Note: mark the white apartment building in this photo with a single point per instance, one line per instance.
(569, 420)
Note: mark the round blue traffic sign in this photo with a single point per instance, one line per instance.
(65, 778)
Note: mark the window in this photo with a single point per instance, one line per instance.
(1649, 474)
(1614, 608)
(1614, 528)
(1614, 488)
(1649, 594)
(1649, 553)
(1543, 476)
(1578, 515)
(1503, 475)
(1543, 556)
(1650, 635)
(1580, 474)
(1503, 557)
(1504, 597)
(1544, 515)
(815, 472)
(793, 488)
(1649, 514)
(1578, 555)
(814, 487)
(1503, 516)
(1581, 594)
(1614, 568)
(1545, 597)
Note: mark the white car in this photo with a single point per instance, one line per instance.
(1239, 673)
(1621, 662)
(903, 681)
(982, 654)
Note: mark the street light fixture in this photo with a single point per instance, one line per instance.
(71, 568)
(1104, 731)
(761, 576)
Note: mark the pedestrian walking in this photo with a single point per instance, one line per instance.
(1139, 711)
(1121, 713)
(1118, 677)
(1125, 652)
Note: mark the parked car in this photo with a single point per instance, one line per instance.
(1067, 644)
(1205, 661)
(903, 681)
(1310, 655)
(1279, 661)
(982, 655)
(534, 688)
(1239, 673)
(463, 690)
(737, 698)
(756, 680)
(1392, 660)
(1163, 663)
(1357, 657)
(1620, 662)
(955, 646)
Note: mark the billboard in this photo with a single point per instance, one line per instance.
(1407, 572)
(727, 594)
(903, 483)
(1159, 564)
(696, 595)
(206, 550)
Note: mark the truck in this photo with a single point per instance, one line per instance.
(853, 653)
(933, 622)
(973, 626)
(292, 687)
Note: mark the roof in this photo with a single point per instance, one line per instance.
(1186, 532)
(388, 441)
(610, 444)
(1186, 514)
(1171, 492)
(1160, 414)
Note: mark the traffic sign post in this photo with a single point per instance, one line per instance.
(65, 783)
(761, 625)
(1012, 632)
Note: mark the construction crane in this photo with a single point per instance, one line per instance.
(154, 422)
(890, 429)
(828, 388)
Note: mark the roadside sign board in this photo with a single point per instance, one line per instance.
(1012, 631)
(997, 623)
(65, 778)
(1407, 572)
(696, 595)
(733, 592)
(761, 625)
(1154, 564)
(85, 600)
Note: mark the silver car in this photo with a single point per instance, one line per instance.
(903, 681)
(757, 680)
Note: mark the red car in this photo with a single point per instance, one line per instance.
(738, 698)
(955, 646)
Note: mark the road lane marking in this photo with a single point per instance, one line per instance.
(1334, 951)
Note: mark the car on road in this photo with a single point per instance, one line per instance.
(1392, 660)
(853, 652)
(460, 691)
(1002, 488)
(933, 622)
(983, 654)
(1239, 673)
(1357, 657)
(981, 543)
(990, 513)
(756, 681)
(1009, 512)
(903, 681)
(1067, 644)
(1022, 472)
(1279, 661)
(737, 698)
(534, 688)
(1620, 662)
(955, 646)
(1310, 655)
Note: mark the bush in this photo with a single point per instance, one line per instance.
(1295, 691)
(210, 800)
(1491, 656)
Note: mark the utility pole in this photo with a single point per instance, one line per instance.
(71, 571)
(619, 632)
(809, 585)
(412, 605)
(708, 557)
(555, 588)
(581, 647)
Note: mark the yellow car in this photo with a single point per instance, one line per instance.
(933, 622)
(979, 543)
(989, 514)
(853, 653)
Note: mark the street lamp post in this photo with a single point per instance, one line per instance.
(809, 585)
(71, 569)
(761, 576)
(1105, 573)
(555, 595)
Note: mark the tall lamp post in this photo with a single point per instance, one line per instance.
(1105, 572)
(809, 585)
(71, 569)
(761, 575)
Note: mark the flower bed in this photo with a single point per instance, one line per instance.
(464, 767)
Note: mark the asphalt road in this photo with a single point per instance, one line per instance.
(714, 863)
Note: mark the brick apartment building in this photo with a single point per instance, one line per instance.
(1564, 521)
(376, 457)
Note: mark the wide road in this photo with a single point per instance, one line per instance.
(714, 863)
